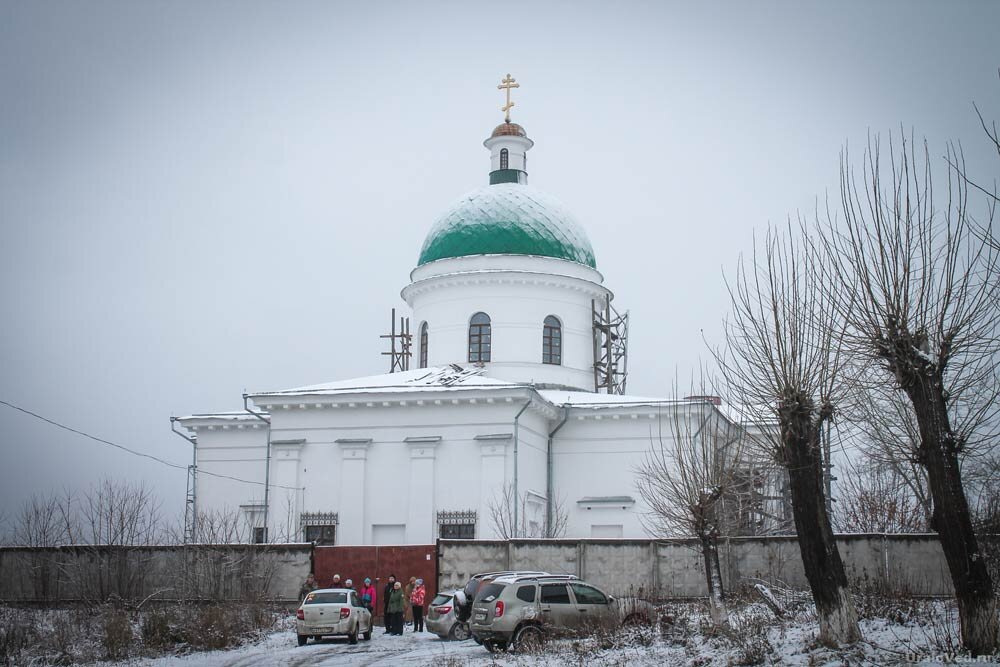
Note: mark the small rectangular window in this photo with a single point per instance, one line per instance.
(259, 535)
(457, 531)
(322, 535)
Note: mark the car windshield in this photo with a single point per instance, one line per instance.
(471, 588)
(490, 592)
(440, 599)
(326, 598)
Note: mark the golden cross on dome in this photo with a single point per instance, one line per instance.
(507, 83)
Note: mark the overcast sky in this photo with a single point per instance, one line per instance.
(201, 198)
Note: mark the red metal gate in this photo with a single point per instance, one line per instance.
(377, 563)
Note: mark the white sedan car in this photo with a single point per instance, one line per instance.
(333, 611)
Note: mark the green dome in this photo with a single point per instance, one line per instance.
(507, 219)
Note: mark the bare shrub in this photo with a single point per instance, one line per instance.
(511, 513)
(219, 626)
(685, 477)
(159, 629)
(875, 498)
(16, 635)
(117, 635)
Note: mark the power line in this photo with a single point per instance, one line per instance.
(138, 453)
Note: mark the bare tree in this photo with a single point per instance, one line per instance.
(885, 434)
(924, 311)
(501, 514)
(782, 362)
(120, 514)
(685, 478)
(40, 523)
(875, 498)
(224, 526)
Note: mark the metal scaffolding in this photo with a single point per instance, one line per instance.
(399, 344)
(610, 347)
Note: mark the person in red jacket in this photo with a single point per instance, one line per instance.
(367, 595)
(417, 604)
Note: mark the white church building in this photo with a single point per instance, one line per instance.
(512, 391)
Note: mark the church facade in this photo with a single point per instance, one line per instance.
(495, 430)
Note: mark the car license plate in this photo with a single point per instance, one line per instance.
(480, 615)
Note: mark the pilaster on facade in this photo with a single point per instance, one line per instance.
(354, 448)
(423, 447)
(420, 508)
(494, 444)
(492, 473)
(353, 482)
(287, 449)
(285, 478)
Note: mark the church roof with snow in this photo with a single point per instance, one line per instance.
(508, 219)
(423, 379)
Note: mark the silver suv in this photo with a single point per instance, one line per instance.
(522, 611)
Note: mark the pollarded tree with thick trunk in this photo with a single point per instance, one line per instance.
(687, 477)
(925, 287)
(782, 362)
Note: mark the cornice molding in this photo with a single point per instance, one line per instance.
(503, 277)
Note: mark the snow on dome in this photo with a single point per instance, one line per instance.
(508, 219)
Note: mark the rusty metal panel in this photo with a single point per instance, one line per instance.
(378, 562)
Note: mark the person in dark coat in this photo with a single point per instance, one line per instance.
(385, 602)
(307, 587)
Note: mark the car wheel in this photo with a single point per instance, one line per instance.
(368, 633)
(459, 632)
(494, 647)
(303, 639)
(529, 639)
(352, 637)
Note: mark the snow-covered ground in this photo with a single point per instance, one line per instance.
(896, 631)
(281, 650)
(758, 638)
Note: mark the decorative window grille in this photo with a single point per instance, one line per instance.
(319, 527)
(459, 525)
(552, 341)
(504, 158)
(480, 339)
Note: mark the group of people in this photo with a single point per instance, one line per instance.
(398, 601)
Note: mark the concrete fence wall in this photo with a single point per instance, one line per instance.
(904, 564)
(195, 572)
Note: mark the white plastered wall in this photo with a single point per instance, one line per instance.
(518, 298)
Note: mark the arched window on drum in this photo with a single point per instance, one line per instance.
(480, 338)
(552, 341)
(423, 345)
